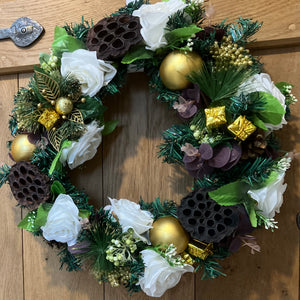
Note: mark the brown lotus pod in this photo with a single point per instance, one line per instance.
(112, 37)
(204, 219)
(29, 186)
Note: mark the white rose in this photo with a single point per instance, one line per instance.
(154, 18)
(159, 275)
(91, 72)
(86, 147)
(130, 215)
(263, 83)
(270, 198)
(63, 222)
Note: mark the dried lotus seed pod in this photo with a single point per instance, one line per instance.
(29, 186)
(112, 37)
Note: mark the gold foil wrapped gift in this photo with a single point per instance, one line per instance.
(215, 116)
(242, 128)
(48, 118)
(200, 249)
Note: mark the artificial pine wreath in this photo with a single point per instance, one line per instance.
(229, 111)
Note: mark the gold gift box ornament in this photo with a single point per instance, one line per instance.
(242, 128)
(197, 249)
(48, 118)
(215, 116)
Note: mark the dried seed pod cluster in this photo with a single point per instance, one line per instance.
(206, 220)
(112, 37)
(29, 186)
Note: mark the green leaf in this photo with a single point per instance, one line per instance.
(84, 213)
(64, 42)
(182, 34)
(229, 194)
(258, 122)
(136, 53)
(28, 222)
(44, 57)
(56, 164)
(42, 214)
(109, 127)
(57, 188)
(250, 205)
(91, 110)
(273, 110)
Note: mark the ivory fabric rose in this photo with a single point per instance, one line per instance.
(263, 83)
(154, 18)
(85, 148)
(91, 72)
(159, 275)
(63, 223)
(130, 215)
(270, 198)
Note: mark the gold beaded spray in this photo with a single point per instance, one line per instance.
(229, 54)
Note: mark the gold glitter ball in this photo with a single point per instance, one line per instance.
(48, 118)
(63, 106)
(242, 128)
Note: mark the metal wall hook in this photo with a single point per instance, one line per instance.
(24, 31)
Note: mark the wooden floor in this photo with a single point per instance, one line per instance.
(126, 166)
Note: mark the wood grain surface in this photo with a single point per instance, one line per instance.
(281, 22)
(127, 166)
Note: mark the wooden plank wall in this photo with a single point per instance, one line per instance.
(126, 166)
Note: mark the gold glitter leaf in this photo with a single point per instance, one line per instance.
(76, 116)
(56, 137)
(47, 86)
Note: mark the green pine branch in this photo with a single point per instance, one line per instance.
(4, 171)
(174, 138)
(243, 30)
(160, 208)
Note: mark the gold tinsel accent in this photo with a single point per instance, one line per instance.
(200, 249)
(48, 118)
(229, 54)
(242, 128)
(215, 116)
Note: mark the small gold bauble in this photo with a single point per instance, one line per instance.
(168, 230)
(63, 106)
(176, 66)
(21, 148)
(53, 102)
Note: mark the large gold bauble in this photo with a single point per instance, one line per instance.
(21, 148)
(168, 230)
(63, 106)
(176, 66)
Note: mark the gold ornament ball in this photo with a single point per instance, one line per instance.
(21, 148)
(63, 106)
(176, 66)
(168, 230)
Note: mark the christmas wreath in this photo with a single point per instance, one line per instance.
(229, 112)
